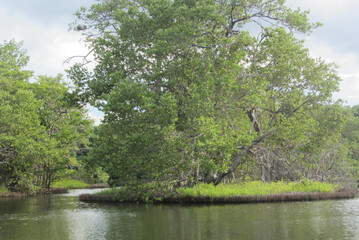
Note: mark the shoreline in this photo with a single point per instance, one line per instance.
(92, 186)
(243, 199)
(52, 190)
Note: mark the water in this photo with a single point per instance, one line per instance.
(64, 217)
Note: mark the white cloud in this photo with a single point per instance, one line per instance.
(348, 63)
(325, 9)
(48, 46)
(349, 88)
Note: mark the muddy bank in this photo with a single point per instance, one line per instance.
(286, 197)
(14, 194)
(24, 194)
(53, 190)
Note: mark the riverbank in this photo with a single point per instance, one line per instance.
(52, 190)
(76, 184)
(285, 197)
(92, 186)
(13, 194)
(250, 192)
(25, 194)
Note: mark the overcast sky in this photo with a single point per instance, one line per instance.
(43, 26)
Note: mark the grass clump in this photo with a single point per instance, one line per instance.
(257, 188)
(69, 183)
(3, 190)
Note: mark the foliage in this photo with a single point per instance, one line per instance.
(91, 176)
(69, 183)
(65, 126)
(351, 131)
(145, 192)
(20, 130)
(88, 169)
(3, 190)
(113, 191)
(39, 127)
(190, 95)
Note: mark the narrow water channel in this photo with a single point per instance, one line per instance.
(64, 217)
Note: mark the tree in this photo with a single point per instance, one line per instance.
(20, 131)
(19, 125)
(40, 126)
(189, 94)
(65, 124)
(12, 61)
(350, 132)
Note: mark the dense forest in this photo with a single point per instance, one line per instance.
(191, 90)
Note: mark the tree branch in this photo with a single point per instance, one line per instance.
(240, 155)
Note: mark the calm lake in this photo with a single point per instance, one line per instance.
(64, 217)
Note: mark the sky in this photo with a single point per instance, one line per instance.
(43, 26)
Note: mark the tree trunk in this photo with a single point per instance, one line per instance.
(240, 156)
(266, 173)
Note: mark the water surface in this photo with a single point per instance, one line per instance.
(64, 217)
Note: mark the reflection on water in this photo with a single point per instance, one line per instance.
(64, 217)
(78, 192)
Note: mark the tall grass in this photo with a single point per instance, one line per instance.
(256, 188)
(69, 183)
(112, 191)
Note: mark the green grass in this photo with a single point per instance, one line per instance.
(256, 188)
(112, 191)
(3, 190)
(230, 190)
(69, 183)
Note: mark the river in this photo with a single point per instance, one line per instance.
(65, 217)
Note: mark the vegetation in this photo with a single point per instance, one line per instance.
(221, 191)
(195, 94)
(41, 126)
(3, 190)
(113, 191)
(257, 188)
(191, 95)
(69, 183)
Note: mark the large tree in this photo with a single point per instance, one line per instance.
(192, 89)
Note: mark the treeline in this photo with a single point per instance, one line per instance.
(41, 126)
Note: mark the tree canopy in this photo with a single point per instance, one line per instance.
(197, 91)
